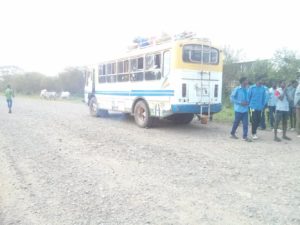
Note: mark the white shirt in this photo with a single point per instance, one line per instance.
(281, 105)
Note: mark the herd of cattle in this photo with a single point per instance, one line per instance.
(52, 95)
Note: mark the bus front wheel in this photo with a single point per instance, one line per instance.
(142, 114)
(93, 106)
(94, 109)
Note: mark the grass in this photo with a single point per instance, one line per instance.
(226, 115)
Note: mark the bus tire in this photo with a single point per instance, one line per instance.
(184, 118)
(142, 114)
(94, 109)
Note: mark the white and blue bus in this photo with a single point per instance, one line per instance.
(174, 80)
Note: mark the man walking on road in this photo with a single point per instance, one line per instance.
(239, 97)
(9, 94)
(282, 111)
(257, 101)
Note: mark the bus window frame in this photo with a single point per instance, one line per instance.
(135, 74)
(202, 52)
(124, 73)
(157, 71)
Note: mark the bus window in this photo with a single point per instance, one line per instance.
(121, 67)
(214, 56)
(111, 78)
(137, 66)
(109, 69)
(152, 67)
(167, 63)
(149, 62)
(101, 73)
(101, 69)
(140, 63)
(133, 65)
(153, 75)
(126, 66)
(157, 60)
(102, 79)
(113, 68)
(123, 75)
(137, 76)
(193, 53)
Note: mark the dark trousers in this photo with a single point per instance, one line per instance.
(272, 115)
(263, 119)
(281, 116)
(238, 117)
(255, 116)
(298, 120)
(9, 103)
(292, 114)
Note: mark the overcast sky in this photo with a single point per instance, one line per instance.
(49, 35)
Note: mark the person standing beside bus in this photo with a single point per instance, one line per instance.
(239, 97)
(297, 108)
(272, 105)
(291, 89)
(282, 111)
(257, 101)
(263, 112)
(9, 94)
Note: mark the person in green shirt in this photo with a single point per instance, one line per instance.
(9, 94)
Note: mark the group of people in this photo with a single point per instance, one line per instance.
(282, 102)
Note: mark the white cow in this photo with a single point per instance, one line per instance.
(48, 94)
(43, 93)
(65, 95)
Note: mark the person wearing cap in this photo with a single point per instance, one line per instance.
(297, 108)
(282, 111)
(9, 94)
(239, 97)
(257, 101)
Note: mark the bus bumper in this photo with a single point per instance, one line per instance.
(196, 109)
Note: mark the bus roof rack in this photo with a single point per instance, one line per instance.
(141, 42)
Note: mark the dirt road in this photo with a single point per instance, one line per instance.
(59, 166)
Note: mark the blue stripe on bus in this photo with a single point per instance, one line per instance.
(138, 93)
(194, 108)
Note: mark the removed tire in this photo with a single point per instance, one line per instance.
(142, 114)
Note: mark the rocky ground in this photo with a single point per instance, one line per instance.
(59, 166)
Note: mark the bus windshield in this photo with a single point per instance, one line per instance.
(195, 53)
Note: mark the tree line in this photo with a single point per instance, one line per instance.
(31, 83)
(284, 65)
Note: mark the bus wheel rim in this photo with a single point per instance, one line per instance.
(141, 114)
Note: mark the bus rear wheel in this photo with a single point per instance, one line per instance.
(184, 118)
(142, 114)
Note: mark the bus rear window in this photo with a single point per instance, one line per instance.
(203, 54)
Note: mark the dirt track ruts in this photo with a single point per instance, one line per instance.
(59, 166)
